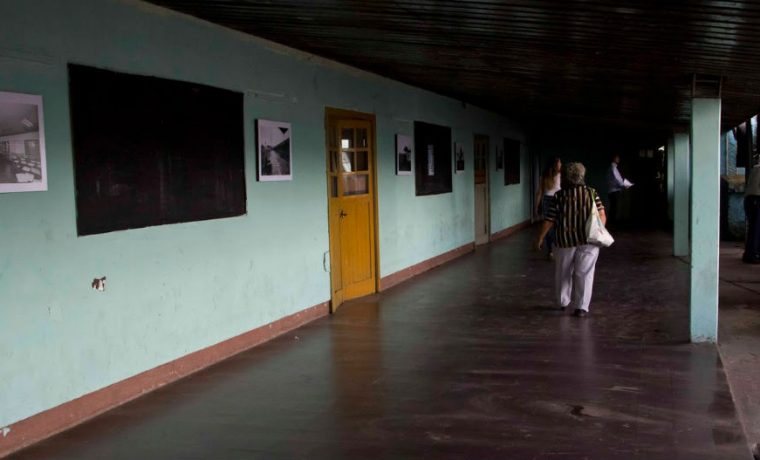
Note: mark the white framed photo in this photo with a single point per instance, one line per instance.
(22, 143)
(275, 150)
(404, 155)
(458, 157)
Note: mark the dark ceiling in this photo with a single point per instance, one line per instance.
(626, 62)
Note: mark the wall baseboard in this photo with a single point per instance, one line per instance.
(509, 231)
(69, 414)
(400, 276)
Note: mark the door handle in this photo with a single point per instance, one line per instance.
(342, 214)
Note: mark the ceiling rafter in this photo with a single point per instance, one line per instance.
(594, 60)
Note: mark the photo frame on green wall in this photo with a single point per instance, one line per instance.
(275, 150)
(22, 143)
(458, 157)
(404, 155)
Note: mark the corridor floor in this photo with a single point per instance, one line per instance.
(467, 361)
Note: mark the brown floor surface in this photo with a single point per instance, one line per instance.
(739, 335)
(468, 361)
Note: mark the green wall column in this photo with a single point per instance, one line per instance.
(670, 152)
(705, 222)
(681, 187)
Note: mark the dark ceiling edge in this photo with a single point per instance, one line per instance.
(307, 56)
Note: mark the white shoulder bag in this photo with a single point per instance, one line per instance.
(596, 234)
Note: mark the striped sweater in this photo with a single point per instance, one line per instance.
(569, 210)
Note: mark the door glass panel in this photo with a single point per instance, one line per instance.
(333, 186)
(347, 138)
(347, 161)
(361, 138)
(361, 160)
(355, 185)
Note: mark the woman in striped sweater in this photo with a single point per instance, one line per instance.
(574, 258)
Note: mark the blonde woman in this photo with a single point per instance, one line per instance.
(548, 186)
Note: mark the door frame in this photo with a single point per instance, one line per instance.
(333, 113)
(487, 216)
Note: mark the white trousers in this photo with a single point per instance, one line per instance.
(574, 275)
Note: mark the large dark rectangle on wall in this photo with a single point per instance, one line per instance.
(432, 144)
(511, 161)
(151, 151)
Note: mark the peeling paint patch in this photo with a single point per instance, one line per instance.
(99, 284)
(55, 312)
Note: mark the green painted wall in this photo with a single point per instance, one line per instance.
(178, 288)
(508, 204)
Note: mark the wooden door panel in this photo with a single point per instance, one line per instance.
(356, 241)
(351, 207)
(480, 165)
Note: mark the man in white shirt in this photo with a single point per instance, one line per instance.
(616, 183)
(752, 210)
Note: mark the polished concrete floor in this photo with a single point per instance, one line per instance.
(739, 336)
(468, 361)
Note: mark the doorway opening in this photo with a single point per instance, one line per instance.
(482, 196)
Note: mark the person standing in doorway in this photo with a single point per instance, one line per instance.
(574, 258)
(549, 185)
(752, 211)
(616, 183)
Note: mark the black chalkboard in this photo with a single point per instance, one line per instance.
(151, 151)
(432, 144)
(511, 161)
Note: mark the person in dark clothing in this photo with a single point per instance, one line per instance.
(616, 183)
(752, 211)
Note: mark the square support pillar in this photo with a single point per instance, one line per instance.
(705, 218)
(681, 191)
(670, 152)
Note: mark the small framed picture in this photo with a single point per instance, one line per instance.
(22, 143)
(274, 150)
(458, 157)
(404, 155)
(431, 160)
(499, 158)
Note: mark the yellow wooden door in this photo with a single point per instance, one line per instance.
(351, 208)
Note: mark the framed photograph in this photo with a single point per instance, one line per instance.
(458, 157)
(404, 155)
(274, 150)
(22, 143)
(499, 157)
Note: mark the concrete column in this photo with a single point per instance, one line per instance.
(705, 218)
(669, 151)
(681, 190)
